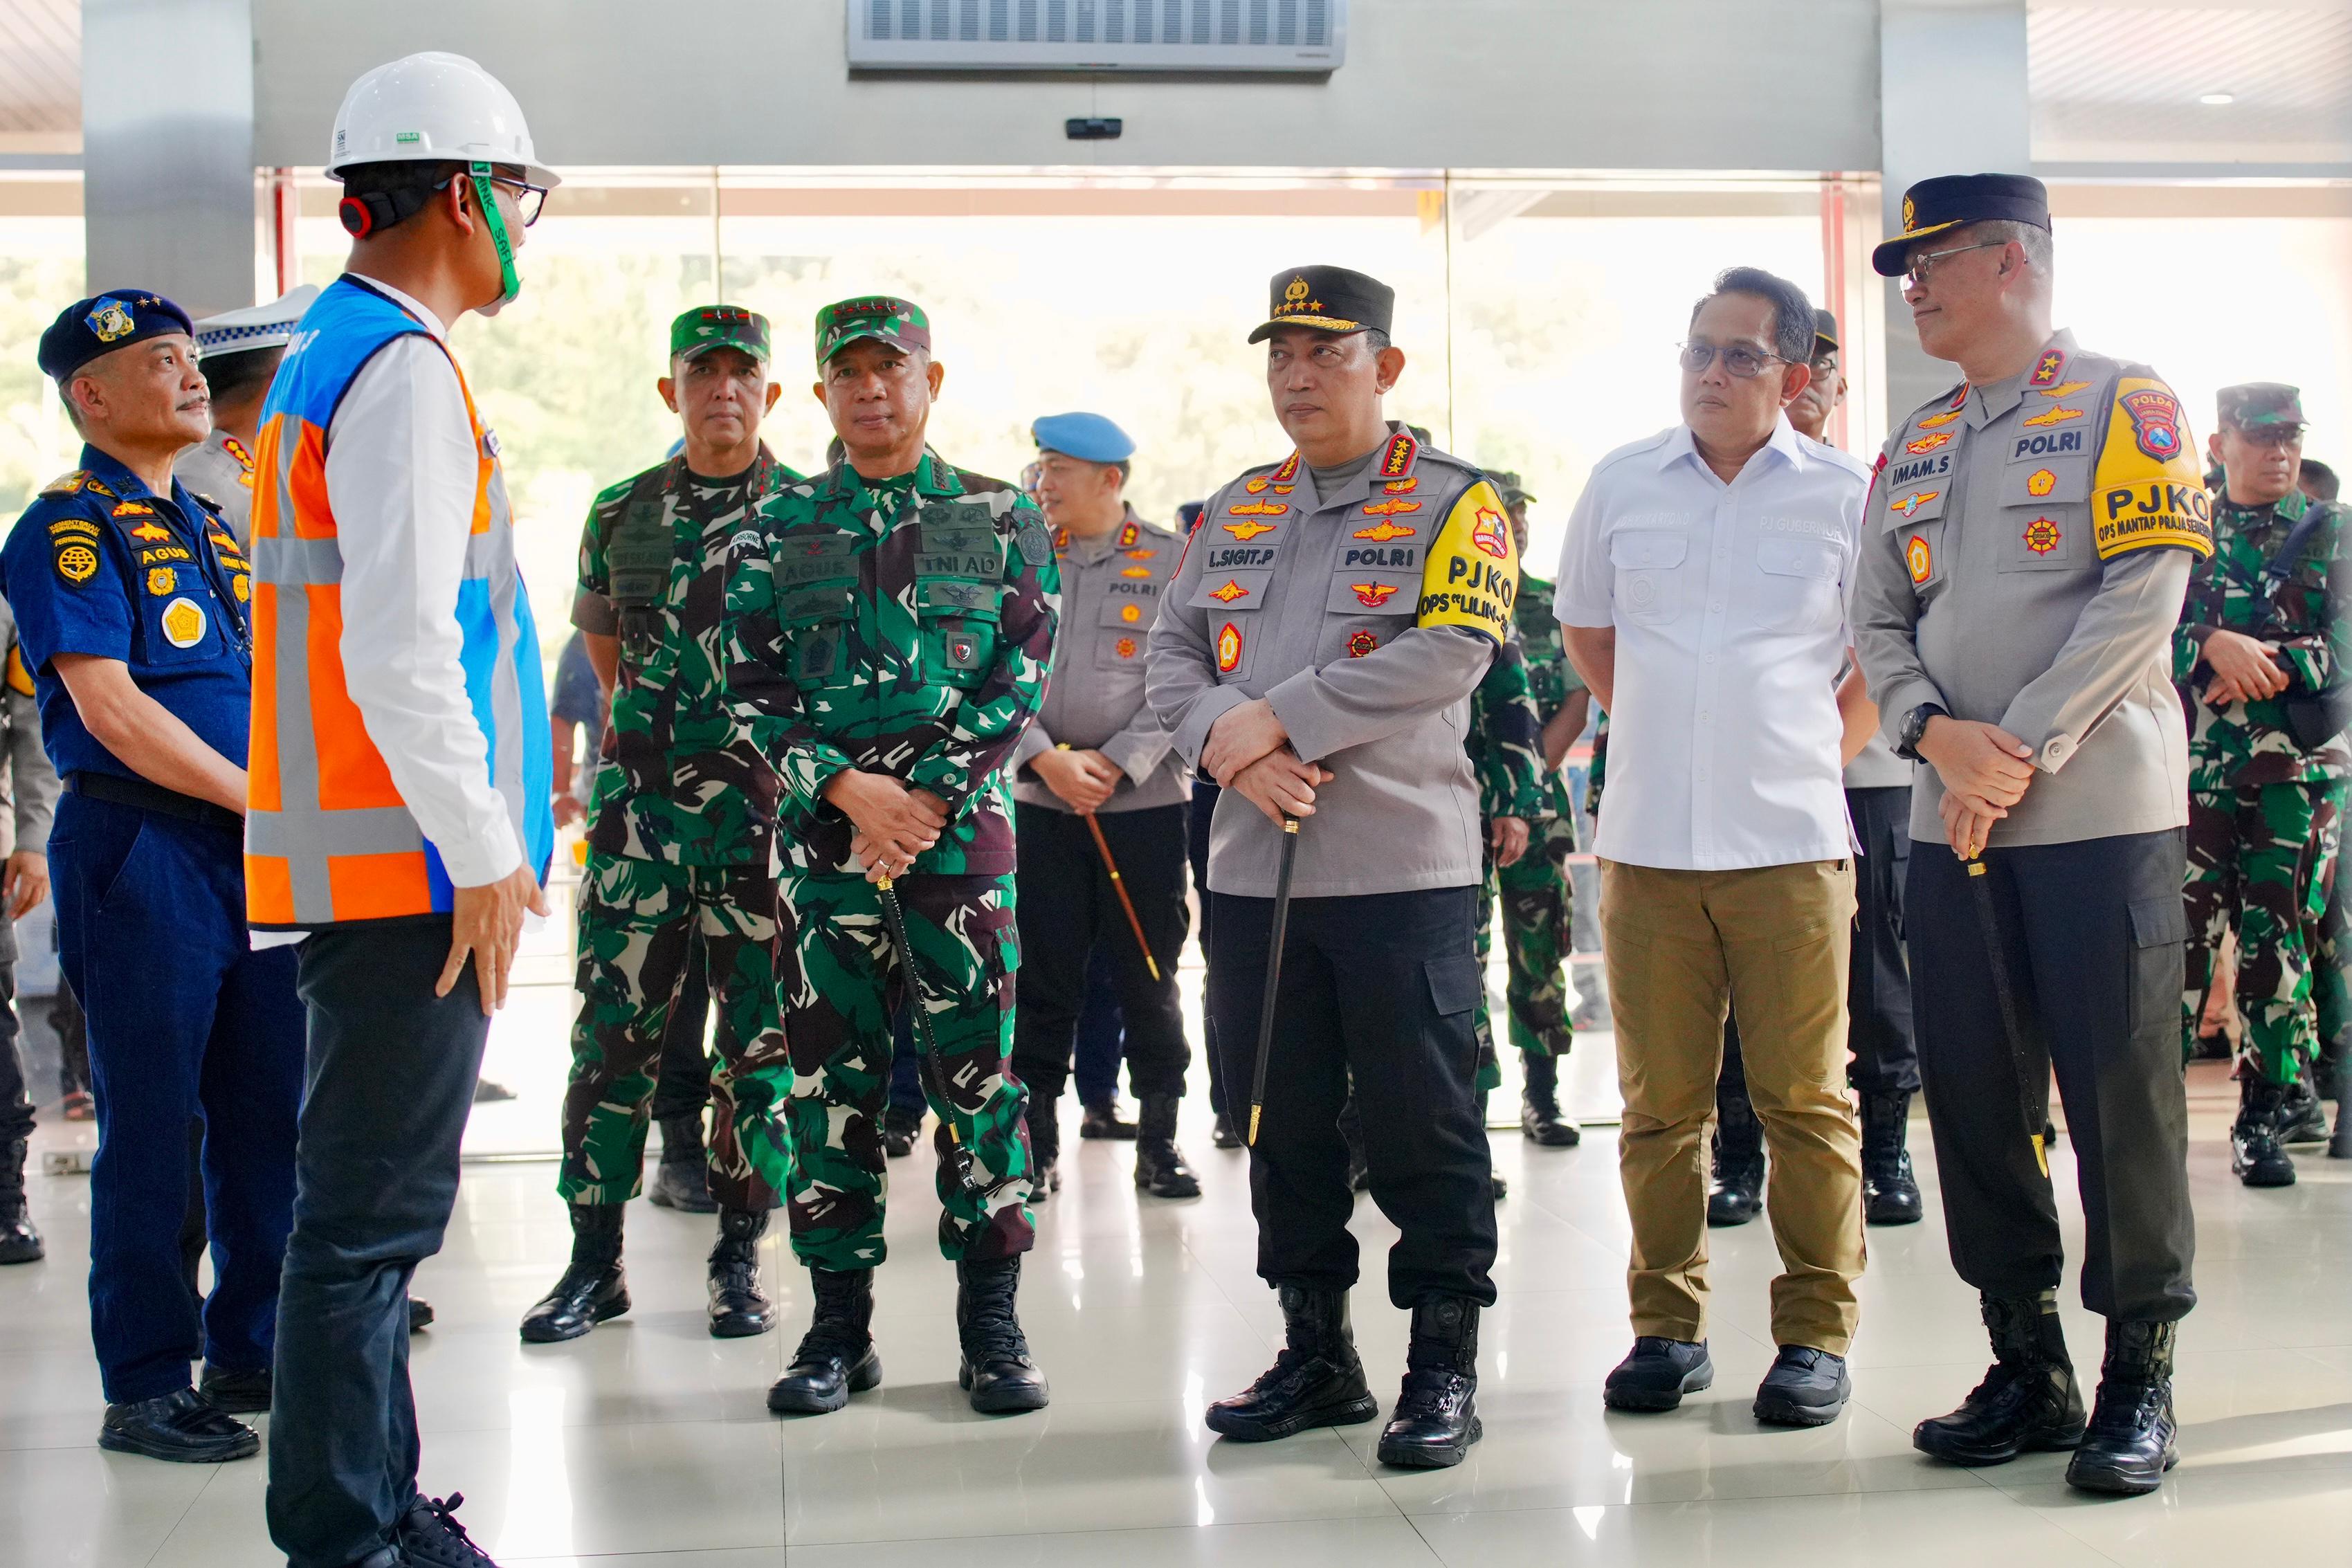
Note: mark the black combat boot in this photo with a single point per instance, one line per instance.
(1101, 1120)
(1159, 1167)
(1317, 1380)
(1739, 1192)
(1539, 1116)
(1043, 1117)
(2302, 1118)
(836, 1357)
(2257, 1158)
(2339, 1147)
(1890, 1193)
(19, 1242)
(2029, 1401)
(738, 1308)
(592, 1289)
(2129, 1444)
(900, 1128)
(1223, 1133)
(682, 1180)
(1436, 1417)
(996, 1366)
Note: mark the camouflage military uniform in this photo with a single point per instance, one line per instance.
(900, 626)
(1506, 753)
(2263, 812)
(679, 839)
(1537, 902)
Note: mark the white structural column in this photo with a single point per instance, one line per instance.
(167, 149)
(1952, 101)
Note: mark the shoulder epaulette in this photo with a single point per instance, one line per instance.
(69, 484)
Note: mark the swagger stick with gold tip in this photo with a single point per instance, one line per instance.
(2004, 992)
(1118, 884)
(1273, 971)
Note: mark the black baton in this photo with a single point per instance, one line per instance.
(934, 1075)
(2029, 1097)
(1273, 971)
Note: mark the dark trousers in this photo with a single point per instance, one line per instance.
(185, 1020)
(2092, 932)
(391, 1079)
(1069, 911)
(683, 1085)
(1202, 811)
(1384, 985)
(15, 1099)
(1878, 981)
(1101, 1037)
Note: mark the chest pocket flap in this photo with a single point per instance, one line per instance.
(1128, 611)
(1786, 557)
(1373, 593)
(961, 544)
(1921, 503)
(2046, 481)
(803, 561)
(1647, 549)
(1225, 592)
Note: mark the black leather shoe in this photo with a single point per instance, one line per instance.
(1102, 1120)
(996, 1368)
(2257, 1158)
(1317, 1379)
(1539, 1116)
(179, 1426)
(2030, 1402)
(1159, 1167)
(430, 1536)
(1657, 1373)
(1221, 1135)
(1890, 1193)
(2129, 1446)
(738, 1310)
(2302, 1118)
(1436, 1417)
(235, 1392)
(420, 1315)
(1738, 1194)
(899, 1130)
(19, 1242)
(591, 1290)
(836, 1357)
(682, 1180)
(1806, 1387)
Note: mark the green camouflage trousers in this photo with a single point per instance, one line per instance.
(839, 985)
(2262, 858)
(636, 921)
(2331, 984)
(1537, 905)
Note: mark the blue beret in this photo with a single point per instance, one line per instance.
(1089, 438)
(105, 322)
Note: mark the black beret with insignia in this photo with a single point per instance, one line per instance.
(1948, 201)
(105, 322)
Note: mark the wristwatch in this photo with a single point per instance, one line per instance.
(1915, 724)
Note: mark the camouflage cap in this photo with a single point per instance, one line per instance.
(899, 322)
(2261, 405)
(707, 327)
(1507, 484)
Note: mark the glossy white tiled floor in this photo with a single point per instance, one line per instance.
(648, 1443)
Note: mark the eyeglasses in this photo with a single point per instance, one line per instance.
(1741, 360)
(2280, 437)
(1916, 275)
(529, 199)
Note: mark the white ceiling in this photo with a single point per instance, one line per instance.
(41, 72)
(2120, 82)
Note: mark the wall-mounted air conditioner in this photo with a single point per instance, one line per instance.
(1294, 36)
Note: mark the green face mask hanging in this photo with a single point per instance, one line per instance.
(485, 194)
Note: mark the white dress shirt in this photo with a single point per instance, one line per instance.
(400, 470)
(1729, 602)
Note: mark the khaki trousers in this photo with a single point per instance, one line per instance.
(1773, 943)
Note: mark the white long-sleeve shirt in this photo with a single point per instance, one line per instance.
(401, 471)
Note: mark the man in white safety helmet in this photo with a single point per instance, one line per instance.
(239, 352)
(397, 824)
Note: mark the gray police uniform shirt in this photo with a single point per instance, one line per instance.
(1111, 588)
(221, 469)
(2027, 548)
(32, 781)
(1365, 618)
